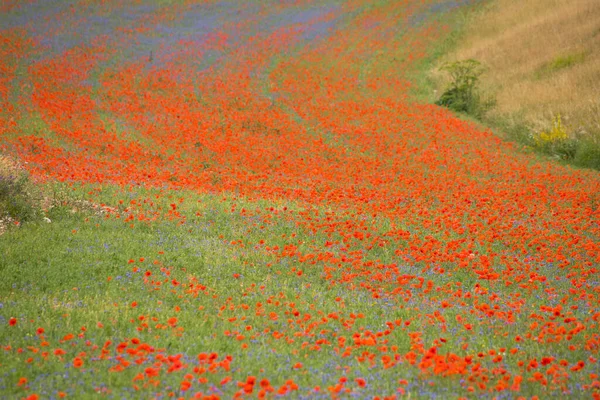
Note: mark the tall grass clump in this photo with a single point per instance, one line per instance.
(19, 196)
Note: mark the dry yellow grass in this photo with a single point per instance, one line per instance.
(8, 166)
(543, 59)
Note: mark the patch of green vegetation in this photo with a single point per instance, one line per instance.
(559, 63)
(463, 94)
(587, 154)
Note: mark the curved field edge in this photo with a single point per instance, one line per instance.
(285, 221)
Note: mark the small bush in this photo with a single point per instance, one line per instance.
(19, 197)
(463, 94)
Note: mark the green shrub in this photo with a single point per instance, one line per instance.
(463, 94)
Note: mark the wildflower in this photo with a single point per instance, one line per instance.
(77, 362)
(578, 366)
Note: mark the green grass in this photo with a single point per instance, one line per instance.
(76, 272)
(559, 63)
(82, 273)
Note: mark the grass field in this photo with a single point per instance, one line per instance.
(244, 200)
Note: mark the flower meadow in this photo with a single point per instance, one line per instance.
(275, 216)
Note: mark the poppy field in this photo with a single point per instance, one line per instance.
(262, 210)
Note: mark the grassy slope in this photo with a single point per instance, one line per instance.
(542, 61)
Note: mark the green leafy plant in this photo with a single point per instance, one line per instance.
(463, 94)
